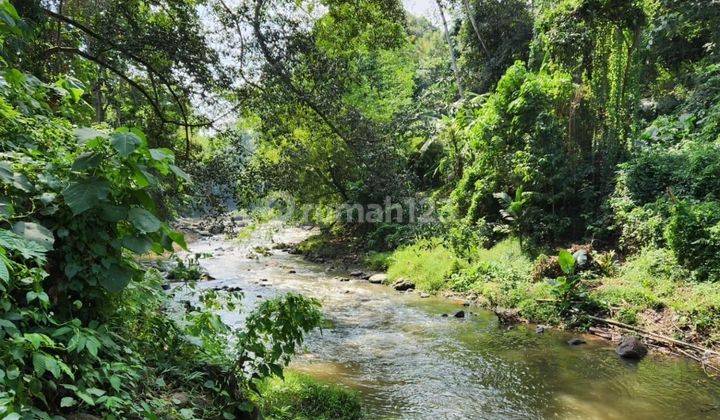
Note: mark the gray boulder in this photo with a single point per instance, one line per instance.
(378, 278)
(631, 347)
(403, 285)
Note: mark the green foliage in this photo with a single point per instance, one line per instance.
(186, 270)
(693, 234)
(377, 261)
(484, 62)
(427, 263)
(517, 145)
(83, 327)
(299, 396)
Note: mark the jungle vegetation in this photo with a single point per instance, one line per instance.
(534, 129)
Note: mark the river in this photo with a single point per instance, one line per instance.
(408, 361)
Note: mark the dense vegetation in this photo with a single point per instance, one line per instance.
(567, 153)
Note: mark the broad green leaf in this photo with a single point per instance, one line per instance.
(144, 220)
(112, 213)
(137, 244)
(86, 134)
(6, 171)
(38, 360)
(85, 397)
(125, 142)
(95, 391)
(36, 233)
(4, 273)
(161, 154)
(16, 179)
(83, 195)
(566, 261)
(180, 173)
(115, 278)
(115, 382)
(67, 402)
(178, 238)
(47, 198)
(87, 161)
(6, 209)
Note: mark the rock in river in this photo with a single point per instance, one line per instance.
(403, 285)
(377, 278)
(459, 314)
(631, 347)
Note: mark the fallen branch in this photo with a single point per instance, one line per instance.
(655, 336)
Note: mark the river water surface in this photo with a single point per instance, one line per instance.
(407, 361)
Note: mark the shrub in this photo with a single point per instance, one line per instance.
(694, 236)
(378, 261)
(427, 263)
(299, 396)
(518, 144)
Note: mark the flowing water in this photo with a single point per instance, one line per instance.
(408, 361)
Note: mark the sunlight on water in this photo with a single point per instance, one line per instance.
(408, 361)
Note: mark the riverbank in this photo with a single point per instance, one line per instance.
(407, 360)
(645, 296)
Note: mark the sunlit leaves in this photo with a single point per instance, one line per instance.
(125, 142)
(85, 134)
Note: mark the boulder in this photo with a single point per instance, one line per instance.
(631, 347)
(403, 285)
(459, 314)
(377, 278)
(539, 329)
(424, 295)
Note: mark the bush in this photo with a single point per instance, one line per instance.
(427, 263)
(518, 142)
(299, 396)
(693, 234)
(378, 261)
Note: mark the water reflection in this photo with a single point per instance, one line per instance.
(410, 362)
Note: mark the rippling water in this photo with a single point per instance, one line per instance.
(408, 361)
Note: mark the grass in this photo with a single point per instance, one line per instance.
(300, 396)
(649, 290)
(377, 261)
(428, 263)
(653, 281)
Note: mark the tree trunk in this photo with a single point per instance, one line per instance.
(453, 61)
(471, 18)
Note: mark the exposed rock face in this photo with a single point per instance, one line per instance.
(378, 278)
(631, 347)
(403, 285)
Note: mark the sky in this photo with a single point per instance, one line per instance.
(425, 8)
